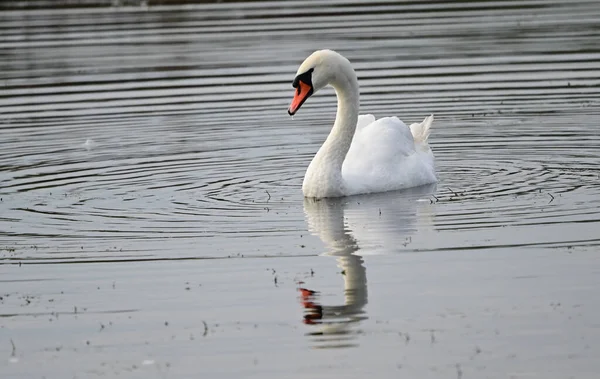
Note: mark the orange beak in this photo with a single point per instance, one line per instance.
(306, 292)
(303, 91)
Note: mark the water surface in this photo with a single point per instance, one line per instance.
(152, 221)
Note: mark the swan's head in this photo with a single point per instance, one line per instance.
(321, 68)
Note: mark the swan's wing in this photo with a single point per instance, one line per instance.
(383, 156)
(379, 146)
(382, 140)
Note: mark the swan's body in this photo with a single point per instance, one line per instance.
(361, 154)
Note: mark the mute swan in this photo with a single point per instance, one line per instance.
(361, 154)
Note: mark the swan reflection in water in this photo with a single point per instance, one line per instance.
(351, 227)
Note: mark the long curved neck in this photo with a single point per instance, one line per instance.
(324, 174)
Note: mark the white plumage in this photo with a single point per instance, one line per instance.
(362, 154)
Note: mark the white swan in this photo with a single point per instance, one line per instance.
(361, 154)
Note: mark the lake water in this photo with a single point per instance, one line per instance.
(152, 222)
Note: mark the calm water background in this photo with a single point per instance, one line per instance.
(152, 222)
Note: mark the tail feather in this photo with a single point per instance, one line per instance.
(421, 131)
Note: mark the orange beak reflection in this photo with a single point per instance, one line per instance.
(303, 91)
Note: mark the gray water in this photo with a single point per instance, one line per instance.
(152, 222)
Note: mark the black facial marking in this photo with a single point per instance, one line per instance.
(305, 77)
